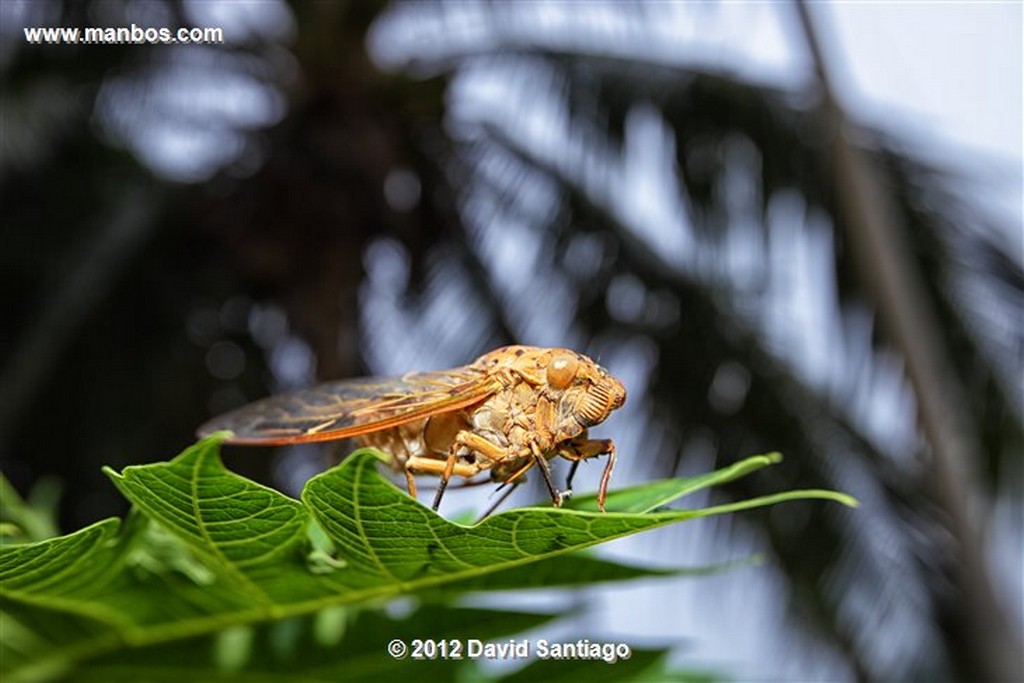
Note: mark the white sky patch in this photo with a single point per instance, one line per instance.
(950, 71)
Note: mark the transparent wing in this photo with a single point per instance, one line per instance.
(337, 410)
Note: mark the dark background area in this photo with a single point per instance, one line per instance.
(190, 228)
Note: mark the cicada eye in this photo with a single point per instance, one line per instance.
(562, 371)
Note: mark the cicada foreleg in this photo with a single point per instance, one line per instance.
(579, 450)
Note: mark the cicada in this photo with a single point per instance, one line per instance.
(512, 409)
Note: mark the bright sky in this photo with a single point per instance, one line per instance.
(936, 72)
(952, 70)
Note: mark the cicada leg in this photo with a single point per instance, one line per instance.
(557, 497)
(545, 469)
(474, 442)
(501, 499)
(582, 449)
(572, 473)
(445, 468)
(410, 482)
(569, 453)
(515, 479)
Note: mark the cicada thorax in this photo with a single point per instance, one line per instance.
(540, 416)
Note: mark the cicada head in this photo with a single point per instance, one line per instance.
(586, 392)
(580, 392)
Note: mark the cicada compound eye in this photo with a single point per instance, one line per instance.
(562, 371)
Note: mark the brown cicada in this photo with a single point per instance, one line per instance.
(512, 409)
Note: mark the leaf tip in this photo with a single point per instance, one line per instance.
(834, 496)
(380, 455)
(848, 501)
(216, 437)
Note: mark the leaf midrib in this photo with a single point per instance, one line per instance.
(247, 585)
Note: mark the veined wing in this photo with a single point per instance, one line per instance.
(337, 410)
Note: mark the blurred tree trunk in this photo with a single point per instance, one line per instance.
(880, 245)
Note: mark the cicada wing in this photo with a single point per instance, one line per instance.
(337, 410)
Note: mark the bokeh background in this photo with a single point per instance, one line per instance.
(681, 190)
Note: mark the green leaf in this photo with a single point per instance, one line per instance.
(391, 539)
(28, 521)
(654, 495)
(649, 496)
(210, 555)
